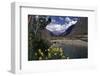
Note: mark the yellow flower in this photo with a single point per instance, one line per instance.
(61, 50)
(40, 58)
(41, 53)
(63, 56)
(49, 55)
(48, 49)
(39, 50)
(55, 53)
(36, 54)
(54, 49)
(57, 49)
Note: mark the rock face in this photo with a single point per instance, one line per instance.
(81, 27)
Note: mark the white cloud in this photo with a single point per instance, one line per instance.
(58, 29)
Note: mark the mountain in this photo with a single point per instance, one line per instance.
(60, 25)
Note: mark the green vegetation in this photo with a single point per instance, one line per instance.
(52, 53)
(39, 48)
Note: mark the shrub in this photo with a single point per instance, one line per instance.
(52, 53)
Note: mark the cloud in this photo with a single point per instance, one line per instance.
(58, 29)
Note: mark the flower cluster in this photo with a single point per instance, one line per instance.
(51, 53)
(55, 53)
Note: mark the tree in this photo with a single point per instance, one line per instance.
(35, 42)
